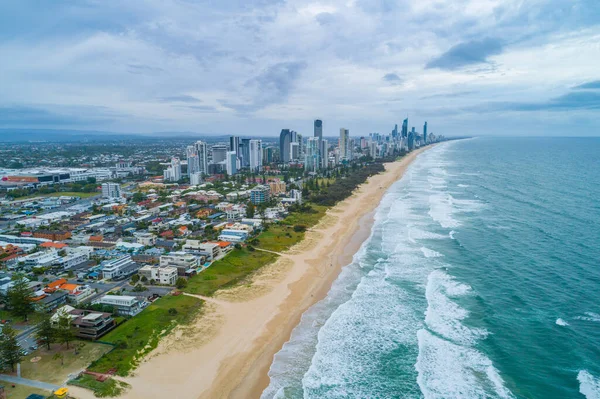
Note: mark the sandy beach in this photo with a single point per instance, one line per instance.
(228, 351)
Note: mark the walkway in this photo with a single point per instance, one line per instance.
(273, 252)
(30, 383)
(209, 299)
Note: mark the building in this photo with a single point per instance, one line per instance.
(318, 129)
(196, 178)
(210, 251)
(231, 163)
(146, 239)
(42, 259)
(244, 153)
(54, 235)
(118, 268)
(193, 160)
(87, 324)
(323, 154)
(425, 133)
(344, 144)
(219, 153)
(124, 305)
(256, 155)
(312, 161)
(277, 187)
(405, 128)
(234, 146)
(260, 194)
(202, 150)
(173, 172)
(166, 275)
(233, 235)
(111, 190)
(294, 151)
(185, 262)
(285, 138)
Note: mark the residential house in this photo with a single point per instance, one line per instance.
(166, 275)
(185, 262)
(87, 324)
(118, 268)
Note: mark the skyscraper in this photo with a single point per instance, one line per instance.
(285, 138)
(311, 159)
(231, 163)
(202, 150)
(244, 153)
(344, 144)
(192, 159)
(318, 129)
(323, 154)
(405, 128)
(294, 151)
(425, 133)
(219, 153)
(256, 155)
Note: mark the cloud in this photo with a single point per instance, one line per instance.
(392, 78)
(574, 101)
(467, 53)
(199, 108)
(143, 69)
(589, 85)
(183, 98)
(449, 95)
(272, 86)
(19, 115)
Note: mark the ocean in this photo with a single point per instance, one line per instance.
(481, 279)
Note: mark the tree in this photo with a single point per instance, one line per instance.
(135, 278)
(138, 197)
(64, 332)
(181, 283)
(144, 279)
(45, 333)
(19, 298)
(250, 210)
(10, 351)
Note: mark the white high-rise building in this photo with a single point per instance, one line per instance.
(231, 163)
(344, 144)
(111, 190)
(202, 150)
(196, 178)
(173, 172)
(256, 155)
(219, 153)
(193, 160)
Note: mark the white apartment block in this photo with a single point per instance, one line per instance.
(163, 275)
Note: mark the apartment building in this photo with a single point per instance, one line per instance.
(119, 268)
(124, 305)
(166, 275)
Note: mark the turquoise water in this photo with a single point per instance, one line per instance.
(481, 279)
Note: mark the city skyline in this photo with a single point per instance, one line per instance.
(495, 68)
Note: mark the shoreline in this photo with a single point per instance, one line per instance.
(229, 350)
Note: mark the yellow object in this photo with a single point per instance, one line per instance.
(61, 393)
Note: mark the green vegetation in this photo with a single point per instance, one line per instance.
(10, 352)
(21, 391)
(225, 272)
(107, 389)
(138, 336)
(55, 365)
(81, 195)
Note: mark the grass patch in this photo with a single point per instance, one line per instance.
(21, 391)
(56, 372)
(107, 389)
(239, 263)
(138, 336)
(225, 272)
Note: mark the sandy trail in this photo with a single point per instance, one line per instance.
(228, 352)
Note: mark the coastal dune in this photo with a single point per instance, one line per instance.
(228, 352)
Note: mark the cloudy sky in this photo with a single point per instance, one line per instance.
(525, 67)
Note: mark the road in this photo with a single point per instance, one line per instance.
(30, 383)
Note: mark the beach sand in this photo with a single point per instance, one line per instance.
(228, 352)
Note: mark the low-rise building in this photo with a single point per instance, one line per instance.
(185, 262)
(210, 250)
(87, 324)
(166, 275)
(147, 239)
(40, 259)
(124, 305)
(119, 267)
(53, 235)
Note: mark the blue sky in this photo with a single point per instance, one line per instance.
(511, 67)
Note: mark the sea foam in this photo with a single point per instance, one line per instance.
(589, 386)
(561, 322)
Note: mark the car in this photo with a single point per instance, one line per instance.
(33, 347)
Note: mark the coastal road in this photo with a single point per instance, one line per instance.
(30, 383)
